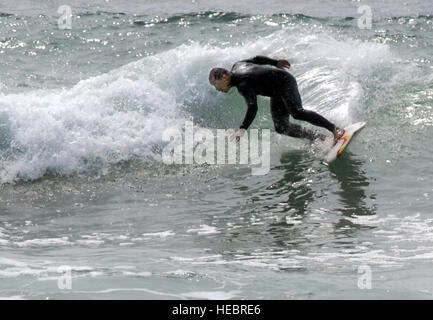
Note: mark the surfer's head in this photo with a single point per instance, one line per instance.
(220, 79)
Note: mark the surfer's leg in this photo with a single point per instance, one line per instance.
(316, 119)
(280, 116)
(292, 100)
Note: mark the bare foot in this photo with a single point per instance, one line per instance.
(338, 133)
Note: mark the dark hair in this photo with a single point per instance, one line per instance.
(217, 73)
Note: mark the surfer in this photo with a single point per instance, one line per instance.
(253, 77)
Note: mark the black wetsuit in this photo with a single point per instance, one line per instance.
(251, 77)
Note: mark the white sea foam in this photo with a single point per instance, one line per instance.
(44, 242)
(90, 242)
(204, 230)
(143, 290)
(163, 234)
(180, 273)
(211, 295)
(17, 297)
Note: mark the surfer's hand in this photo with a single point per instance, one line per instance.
(237, 134)
(338, 133)
(283, 63)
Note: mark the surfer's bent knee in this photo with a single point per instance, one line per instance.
(298, 113)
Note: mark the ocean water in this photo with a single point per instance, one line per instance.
(84, 192)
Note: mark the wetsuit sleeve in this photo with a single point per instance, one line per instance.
(251, 100)
(262, 60)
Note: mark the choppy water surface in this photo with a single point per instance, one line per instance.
(82, 113)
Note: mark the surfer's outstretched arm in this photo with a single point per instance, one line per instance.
(251, 100)
(262, 60)
(280, 63)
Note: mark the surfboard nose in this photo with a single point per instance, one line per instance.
(342, 143)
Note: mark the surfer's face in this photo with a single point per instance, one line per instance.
(222, 83)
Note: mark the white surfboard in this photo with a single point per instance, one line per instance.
(344, 141)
